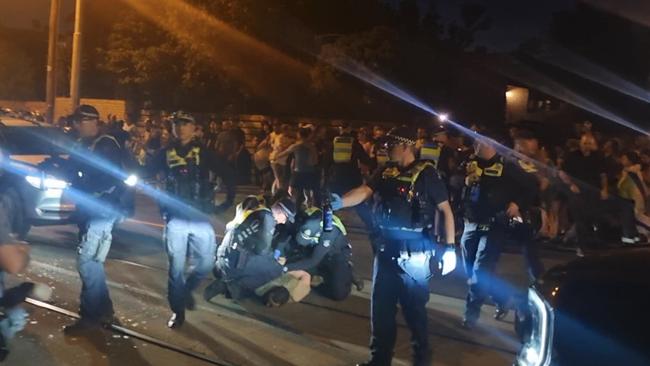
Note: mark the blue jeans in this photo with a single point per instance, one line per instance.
(95, 242)
(481, 248)
(404, 280)
(182, 236)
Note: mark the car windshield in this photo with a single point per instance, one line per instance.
(33, 141)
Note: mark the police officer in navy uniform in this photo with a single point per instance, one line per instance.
(410, 191)
(246, 264)
(187, 206)
(323, 253)
(497, 191)
(95, 190)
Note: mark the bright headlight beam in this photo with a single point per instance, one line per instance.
(46, 183)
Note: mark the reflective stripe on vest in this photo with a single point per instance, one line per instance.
(382, 157)
(411, 176)
(94, 144)
(343, 149)
(430, 152)
(174, 160)
(239, 219)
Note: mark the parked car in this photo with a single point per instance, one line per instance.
(31, 174)
(593, 311)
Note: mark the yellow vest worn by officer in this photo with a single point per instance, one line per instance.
(430, 151)
(343, 149)
(184, 180)
(403, 210)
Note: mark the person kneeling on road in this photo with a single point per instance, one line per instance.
(246, 263)
(322, 253)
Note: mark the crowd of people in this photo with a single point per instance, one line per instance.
(419, 191)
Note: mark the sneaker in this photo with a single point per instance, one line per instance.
(580, 253)
(81, 326)
(276, 297)
(176, 321)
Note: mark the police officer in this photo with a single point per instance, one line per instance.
(344, 171)
(323, 253)
(497, 191)
(246, 260)
(527, 144)
(186, 207)
(437, 151)
(96, 192)
(410, 192)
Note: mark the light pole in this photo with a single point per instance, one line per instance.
(50, 87)
(75, 73)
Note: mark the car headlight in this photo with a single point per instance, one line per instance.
(536, 350)
(46, 182)
(131, 180)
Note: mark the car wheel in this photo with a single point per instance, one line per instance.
(16, 214)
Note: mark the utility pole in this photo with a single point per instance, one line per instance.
(50, 88)
(75, 74)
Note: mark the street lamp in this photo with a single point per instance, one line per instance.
(443, 117)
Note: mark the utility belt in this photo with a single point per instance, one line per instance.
(402, 233)
(407, 245)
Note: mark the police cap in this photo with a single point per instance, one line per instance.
(85, 112)
(181, 117)
(402, 135)
(287, 206)
(310, 230)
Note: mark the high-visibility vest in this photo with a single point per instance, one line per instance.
(343, 149)
(175, 160)
(431, 152)
(382, 157)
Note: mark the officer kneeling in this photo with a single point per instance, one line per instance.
(410, 191)
(246, 264)
(322, 253)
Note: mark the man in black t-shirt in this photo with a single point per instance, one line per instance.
(586, 177)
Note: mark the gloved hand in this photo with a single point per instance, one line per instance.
(337, 201)
(447, 263)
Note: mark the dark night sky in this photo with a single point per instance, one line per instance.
(513, 20)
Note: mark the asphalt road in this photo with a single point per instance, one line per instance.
(315, 332)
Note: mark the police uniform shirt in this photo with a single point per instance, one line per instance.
(91, 179)
(208, 162)
(501, 181)
(329, 242)
(428, 182)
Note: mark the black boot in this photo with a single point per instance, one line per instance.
(217, 287)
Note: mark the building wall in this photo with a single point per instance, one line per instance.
(63, 106)
(516, 104)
